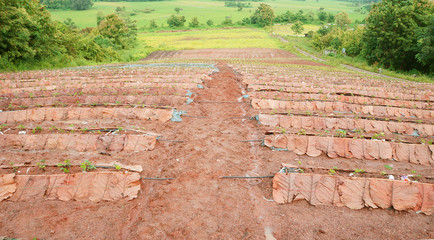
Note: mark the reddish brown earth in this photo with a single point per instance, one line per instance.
(198, 203)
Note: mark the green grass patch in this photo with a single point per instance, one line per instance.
(202, 9)
(358, 62)
(285, 30)
(213, 38)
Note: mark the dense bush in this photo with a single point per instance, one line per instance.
(398, 35)
(176, 21)
(28, 37)
(393, 30)
(68, 4)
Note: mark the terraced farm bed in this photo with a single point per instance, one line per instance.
(206, 145)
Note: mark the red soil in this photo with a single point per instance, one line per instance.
(198, 204)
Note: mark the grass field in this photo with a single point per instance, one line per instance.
(216, 38)
(203, 9)
(285, 30)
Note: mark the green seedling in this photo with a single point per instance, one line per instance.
(384, 173)
(332, 172)
(340, 133)
(15, 169)
(41, 164)
(117, 167)
(87, 166)
(301, 132)
(21, 127)
(37, 129)
(388, 167)
(64, 167)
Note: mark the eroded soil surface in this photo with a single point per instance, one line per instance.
(198, 203)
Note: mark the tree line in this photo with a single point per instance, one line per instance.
(28, 36)
(398, 34)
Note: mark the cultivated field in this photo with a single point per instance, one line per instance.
(202, 9)
(215, 144)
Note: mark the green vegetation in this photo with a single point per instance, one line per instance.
(87, 166)
(41, 164)
(202, 39)
(30, 39)
(263, 16)
(67, 4)
(383, 43)
(64, 167)
(204, 10)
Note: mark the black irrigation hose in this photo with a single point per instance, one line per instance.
(220, 102)
(148, 178)
(195, 116)
(237, 117)
(257, 140)
(270, 176)
(170, 140)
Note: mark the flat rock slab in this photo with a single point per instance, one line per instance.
(85, 187)
(354, 193)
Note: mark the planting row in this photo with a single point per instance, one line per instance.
(365, 93)
(98, 86)
(99, 91)
(346, 108)
(362, 125)
(354, 193)
(341, 98)
(93, 100)
(84, 187)
(393, 93)
(79, 142)
(84, 113)
(365, 149)
(84, 74)
(108, 80)
(334, 77)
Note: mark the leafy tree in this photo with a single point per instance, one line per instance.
(194, 23)
(342, 20)
(26, 31)
(227, 22)
(392, 33)
(68, 22)
(352, 41)
(297, 27)
(114, 29)
(245, 21)
(263, 16)
(426, 46)
(322, 16)
(176, 21)
(99, 17)
(209, 22)
(331, 18)
(152, 24)
(81, 4)
(57, 4)
(177, 10)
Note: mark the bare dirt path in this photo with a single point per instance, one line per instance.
(199, 203)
